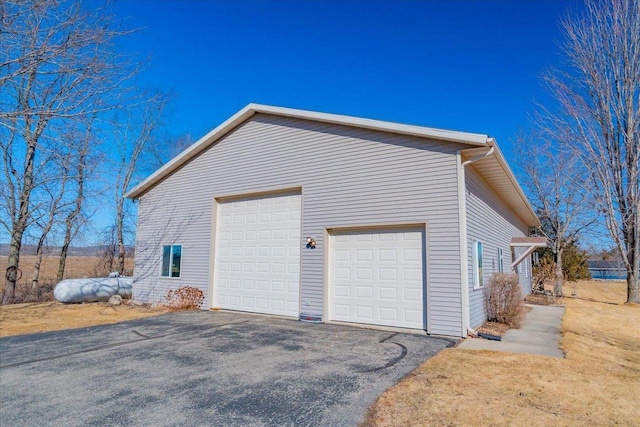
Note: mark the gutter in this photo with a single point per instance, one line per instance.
(462, 223)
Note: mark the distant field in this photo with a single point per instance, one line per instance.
(76, 267)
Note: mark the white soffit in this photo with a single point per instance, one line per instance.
(497, 173)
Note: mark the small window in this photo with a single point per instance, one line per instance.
(478, 278)
(500, 261)
(171, 260)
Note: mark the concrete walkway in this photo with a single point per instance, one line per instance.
(539, 334)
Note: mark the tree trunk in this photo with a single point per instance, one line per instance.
(632, 288)
(36, 267)
(12, 266)
(559, 276)
(71, 217)
(63, 253)
(20, 225)
(120, 237)
(633, 294)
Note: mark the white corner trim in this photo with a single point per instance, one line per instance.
(462, 227)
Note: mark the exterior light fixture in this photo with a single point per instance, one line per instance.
(311, 244)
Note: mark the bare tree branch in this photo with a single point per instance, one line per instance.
(599, 116)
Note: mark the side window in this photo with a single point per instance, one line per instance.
(500, 261)
(478, 278)
(171, 260)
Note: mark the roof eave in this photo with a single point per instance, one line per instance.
(241, 116)
(509, 173)
(192, 151)
(496, 160)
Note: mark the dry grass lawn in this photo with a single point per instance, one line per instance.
(18, 319)
(75, 267)
(598, 383)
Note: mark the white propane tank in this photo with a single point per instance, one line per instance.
(91, 290)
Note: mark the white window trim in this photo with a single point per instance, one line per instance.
(500, 261)
(477, 282)
(170, 258)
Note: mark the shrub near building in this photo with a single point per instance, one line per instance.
(574, 265)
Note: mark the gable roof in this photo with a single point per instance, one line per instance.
(500, 177)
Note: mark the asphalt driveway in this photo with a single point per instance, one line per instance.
(203, 368)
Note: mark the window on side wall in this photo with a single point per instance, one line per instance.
(478, 278)
(500, 261)
(171, 260)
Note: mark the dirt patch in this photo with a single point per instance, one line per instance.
(543, 299)
(18, 319)
(496, 328)
(463, 387)
(493, 328)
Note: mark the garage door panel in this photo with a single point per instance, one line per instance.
(258, 255)
(386, 293)
(413, 315)
(388, 314)
(342, 291)
(387, 274)
(364, 312)
(377, 277)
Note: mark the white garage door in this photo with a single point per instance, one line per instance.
(258, 255)
(377, 277)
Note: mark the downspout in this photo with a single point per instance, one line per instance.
(481, 156)
(462, 209)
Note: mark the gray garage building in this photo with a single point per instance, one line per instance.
(341, 219)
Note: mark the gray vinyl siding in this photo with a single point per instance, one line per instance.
(349, 177)
(490, 221)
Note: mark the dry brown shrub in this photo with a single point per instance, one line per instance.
(43, 293)
(503, 300)
(185, 298)
(543, 273)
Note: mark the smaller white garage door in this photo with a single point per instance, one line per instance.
(377, 277)
(258, 255)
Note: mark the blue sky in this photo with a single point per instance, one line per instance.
(467, 65)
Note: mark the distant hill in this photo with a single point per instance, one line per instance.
(54, 250)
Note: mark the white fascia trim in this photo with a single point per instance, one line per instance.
(192, 151)
(535, 245)
(462, 227)
(251, 109)
(440, 134)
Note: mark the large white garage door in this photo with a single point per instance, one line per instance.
(377, 277)
(258, 255)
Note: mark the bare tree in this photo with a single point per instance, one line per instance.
(74, 218)
(599, 98)
(555, 182)
(47, 222)
(55, 66)
(136, 143)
